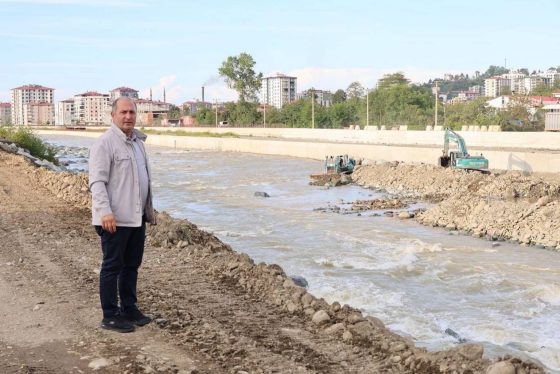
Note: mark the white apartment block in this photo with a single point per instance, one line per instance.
(92, 108)
(32, 93)
(530, 83)
(123, 92)
(322, 97)
(5, 113)
(278, 90)
(495, 86)
(551, 76)
(64, 112)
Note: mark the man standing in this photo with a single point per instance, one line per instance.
(119, 181)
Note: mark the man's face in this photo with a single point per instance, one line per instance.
(125, 116)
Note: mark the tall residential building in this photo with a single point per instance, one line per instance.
(64, 112)
(38, 113)
(32, 93)
(92, 108)
(496, 86)
(5, 113)
(278, 90)
(123, 91)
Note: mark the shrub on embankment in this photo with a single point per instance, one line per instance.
(499, 206)
(25, 138)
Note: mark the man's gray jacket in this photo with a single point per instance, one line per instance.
(114, 182)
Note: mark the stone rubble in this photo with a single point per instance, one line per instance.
(499, 206)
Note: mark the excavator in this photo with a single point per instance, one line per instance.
(460, 159)
(339, 164)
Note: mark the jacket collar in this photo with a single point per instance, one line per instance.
(140, 135)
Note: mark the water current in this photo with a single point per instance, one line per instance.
(437, 287)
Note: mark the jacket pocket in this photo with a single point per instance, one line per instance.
(123, 160)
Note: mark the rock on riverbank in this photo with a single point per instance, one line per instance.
(499, 206)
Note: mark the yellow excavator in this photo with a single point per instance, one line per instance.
(460, 159)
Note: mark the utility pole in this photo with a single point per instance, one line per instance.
(367, 107)
(312, 108)
(216, 105)
(435, 114)
(265, 102)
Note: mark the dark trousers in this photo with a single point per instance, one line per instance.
(122, 256)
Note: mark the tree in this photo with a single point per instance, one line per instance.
(339, 96)
(494, 70)
(239, 75)
(174, 112)
(524, 71)
(390, 80)
(355, 91)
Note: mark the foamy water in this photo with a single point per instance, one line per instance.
(418, 280)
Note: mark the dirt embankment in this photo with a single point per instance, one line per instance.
(216, 310)
(498, 206)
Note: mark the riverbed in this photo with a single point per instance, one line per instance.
(437, 287)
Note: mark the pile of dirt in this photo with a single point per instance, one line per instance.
(378, 204)
(499, 206)
(323, 337)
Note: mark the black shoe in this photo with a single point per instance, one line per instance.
(117, 323)
(137, 318)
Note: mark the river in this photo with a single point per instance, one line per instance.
(434, 286)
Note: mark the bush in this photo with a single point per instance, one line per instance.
(25, 138)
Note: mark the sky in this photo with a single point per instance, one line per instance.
(76, 46)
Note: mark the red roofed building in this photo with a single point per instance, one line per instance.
(92, 108)
(27, 94)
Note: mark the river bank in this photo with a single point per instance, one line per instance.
(228, 314)
(511, 206)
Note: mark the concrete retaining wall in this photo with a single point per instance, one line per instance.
(524, 159)
(486, 139)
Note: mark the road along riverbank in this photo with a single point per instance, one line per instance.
(213, 306)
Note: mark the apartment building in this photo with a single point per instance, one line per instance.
(92, 108)
(38, 114)
(32, 93)
(322, 97)
(278, 90)
(496, 86)
(5, 113)
(64, 112)
(123, 92)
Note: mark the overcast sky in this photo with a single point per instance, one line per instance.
(80, 45)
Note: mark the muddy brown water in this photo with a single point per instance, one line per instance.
(435, 286)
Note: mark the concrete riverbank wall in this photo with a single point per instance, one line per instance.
(531, 152)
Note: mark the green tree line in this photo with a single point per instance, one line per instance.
(394, 102)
